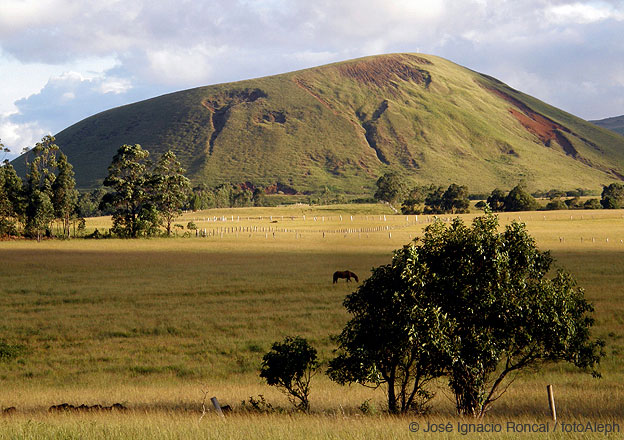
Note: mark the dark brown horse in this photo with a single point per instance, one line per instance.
(345, 274)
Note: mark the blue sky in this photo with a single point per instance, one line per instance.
(64, 60)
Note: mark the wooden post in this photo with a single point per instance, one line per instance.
(217, 407)
(551, 402)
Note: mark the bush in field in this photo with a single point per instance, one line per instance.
(592, 204)
(470, 303)
(613, 196)
(8, 352)
(556, 204)
(290, 366)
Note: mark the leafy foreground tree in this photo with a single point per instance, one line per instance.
(290, 366)
(394, 339)
(481, 302)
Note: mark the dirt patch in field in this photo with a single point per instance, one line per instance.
(383, 72)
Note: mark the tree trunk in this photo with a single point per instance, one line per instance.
(468, 394)
(392, 401)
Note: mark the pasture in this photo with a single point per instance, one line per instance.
(156, 324)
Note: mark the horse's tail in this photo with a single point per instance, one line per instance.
(335, 277)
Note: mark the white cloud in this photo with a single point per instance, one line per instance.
(17, 136)
(582, 13)
(115, 85)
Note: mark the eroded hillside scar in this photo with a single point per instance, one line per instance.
(220, 107)
(370, 130)
(544, 128)
(306, 88)
(383, 73)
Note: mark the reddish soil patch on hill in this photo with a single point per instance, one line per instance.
(545, 129)
(383, 72)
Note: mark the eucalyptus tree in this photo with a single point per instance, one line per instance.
(170, 188)
(131, 197)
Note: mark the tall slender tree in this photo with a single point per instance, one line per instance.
(170, 188)
(64, 194)
(38, 189)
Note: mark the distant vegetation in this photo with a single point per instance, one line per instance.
(143, 198)
(456, 200)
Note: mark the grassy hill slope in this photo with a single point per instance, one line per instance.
(343, 124)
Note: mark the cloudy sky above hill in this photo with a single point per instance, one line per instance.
(64, 60)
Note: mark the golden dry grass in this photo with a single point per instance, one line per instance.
(152, 323)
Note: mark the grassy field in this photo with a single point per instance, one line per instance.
(154, 324)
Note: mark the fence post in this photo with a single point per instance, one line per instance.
(216, 405)
(551, 402)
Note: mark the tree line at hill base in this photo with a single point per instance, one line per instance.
(144, 198)
(431, 199)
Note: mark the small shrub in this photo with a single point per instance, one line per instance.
(367, 408)
(8, 352)
(592, 204)
(259, 405)
(191, 226)
(290, 366)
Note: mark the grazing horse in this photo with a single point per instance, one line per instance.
(345, 274)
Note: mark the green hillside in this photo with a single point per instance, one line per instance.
(615, 124)
(342, 125)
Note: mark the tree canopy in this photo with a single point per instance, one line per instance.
(470, 302)
(390, 188)
(130, 196)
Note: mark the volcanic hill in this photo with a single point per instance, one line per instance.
(342, 125)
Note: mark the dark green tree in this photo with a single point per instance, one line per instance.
(414, 203)
(290, 365)
(482, 301)
(613, 196)
(455, 199)
(394, 338)
(64, 194)
(170, 188)
(505, 315)
(592, 204)
(88, 204)
(496, 200)
(434, 202)
(129, 181)
(11, 200)
(556, 204)
(39, 213)
(519, 199)
(390, 188)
